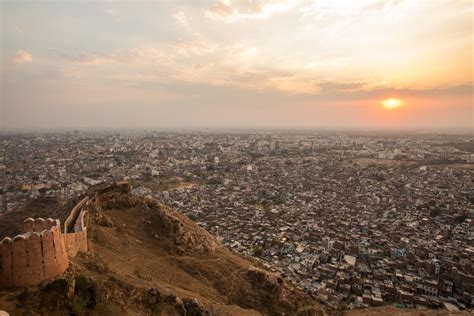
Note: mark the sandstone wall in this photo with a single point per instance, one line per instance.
(37, 255)
(41, 252)
(71, 219)
(77, 241)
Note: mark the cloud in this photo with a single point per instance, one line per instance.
(91, 59)
(183, 19)
(200, 61)
(183, 51)
(22, 57)
(195, 47)
(238, 64)
(132, 56)
(342, 9)
(380, 5)
(225, 11)
(221, 10)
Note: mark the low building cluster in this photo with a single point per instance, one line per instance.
(355, 219)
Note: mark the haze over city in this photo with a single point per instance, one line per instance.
(237, 157)
(272, 63)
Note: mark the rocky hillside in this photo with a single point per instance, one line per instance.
(147, 259)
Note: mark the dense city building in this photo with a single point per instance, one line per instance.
(355, 219)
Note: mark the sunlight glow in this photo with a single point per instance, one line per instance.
(392, 103)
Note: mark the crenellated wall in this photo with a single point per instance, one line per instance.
(34, 256)
(41, 252)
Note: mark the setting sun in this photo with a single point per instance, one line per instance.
(391, 104)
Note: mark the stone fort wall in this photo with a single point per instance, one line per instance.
(75, 228)
(41, 252)
(38, 254)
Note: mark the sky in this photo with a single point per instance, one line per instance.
(229, 63)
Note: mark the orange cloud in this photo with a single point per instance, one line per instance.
(225, 11)
(22, 57)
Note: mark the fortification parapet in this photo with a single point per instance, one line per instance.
(42, 252)
(75, 237)
(28, 225)
(31, 225)
(34, 256)
(71, 219)
(39, 225)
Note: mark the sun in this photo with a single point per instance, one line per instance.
(392, 103)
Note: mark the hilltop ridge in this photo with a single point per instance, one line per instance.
(145, 258)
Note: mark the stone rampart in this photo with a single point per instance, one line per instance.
(76, 241)
(71, 219)
(36, 255)
(41, 252)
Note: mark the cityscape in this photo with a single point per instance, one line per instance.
(237, 157)
(355, 219)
